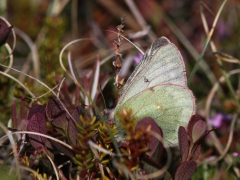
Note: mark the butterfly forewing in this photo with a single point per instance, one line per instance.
(169, 105)
(148, 55)
(165, 66)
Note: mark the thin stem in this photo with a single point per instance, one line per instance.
(206, 43)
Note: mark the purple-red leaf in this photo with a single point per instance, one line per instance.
(54, 108)
(37, 123)
(76, 114)
(183, 143)
(66, 95)
(48, 148)
(4, 32)
(23, 125)
(36, 109)
(196, 152)
(195, 118)
(62, 148)
(57, 114)
(185, 170)
(198, 130)
(23, 114)
(154, 127)
(204, 135)
(49, 151)
(72, 132)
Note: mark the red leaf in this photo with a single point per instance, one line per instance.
(57, 114)
(48, 149)
(185, 170)
(76, 114)
(4, 32)
(183, 143)
(196, 152)
(53, 109)
(198, 130)
(154, 127)
(62, 148)
(204, 135)
(37, 123)
(23, 125)
(36, 109)
(195, 118)
(66, 95)
(72, 132)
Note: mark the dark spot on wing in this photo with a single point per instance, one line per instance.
(146, 79)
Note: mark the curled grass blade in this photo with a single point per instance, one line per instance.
(213, 135)
(34, 52)
(40, 82)
(85, 93)
(21, 84)
(214, 49)
(13, 33)
(39, 134)
(10, 57)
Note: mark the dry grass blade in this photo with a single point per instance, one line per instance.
(129, 42)
(209, 35)
(54, 167)
(21, 84)
(116, 10)
(44, 86)
(95, 146)
(168, 163)
(13, 33)
(10, 58)
(38, 134)
(213, 135)
(230, 138)
(34, 53)
(140, 18)
(226, 57)
(96, 74)
(186, 43)
(14, 148)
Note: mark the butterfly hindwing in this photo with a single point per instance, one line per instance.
(169, 105)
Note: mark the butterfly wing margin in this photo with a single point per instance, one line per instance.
(169, 105)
